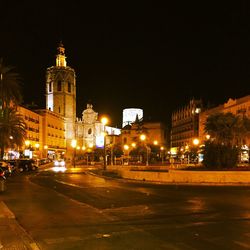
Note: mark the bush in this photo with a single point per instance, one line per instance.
(217, 156)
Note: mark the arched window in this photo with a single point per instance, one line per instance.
(89, 131)
(59, 86)
(69, 87)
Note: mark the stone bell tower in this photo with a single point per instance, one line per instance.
(61, 92)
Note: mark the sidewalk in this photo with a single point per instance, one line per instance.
(12, 235)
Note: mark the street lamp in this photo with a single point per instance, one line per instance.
(143, 138)
(126, 149)
(196, 142)
(104, 121)
(73, 145)
(162, 153)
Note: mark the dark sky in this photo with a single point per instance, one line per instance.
(149, 56)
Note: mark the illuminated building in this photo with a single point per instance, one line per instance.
(53, 141)
(130, 115)
(33, 138)
(89, 130)
(185, 125)
(61, 92)
(155, 131)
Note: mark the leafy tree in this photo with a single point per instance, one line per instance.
(227, 132)
(10, 92)
(227, 128)
(12, 129)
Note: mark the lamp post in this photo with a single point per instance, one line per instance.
(104, 121)
(196, 142)
(73, 144)
(162, 154)
(126, 149)
(143, 138)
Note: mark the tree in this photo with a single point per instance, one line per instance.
(12, 129)
(227, 128)
(10, 92)
(227, 132)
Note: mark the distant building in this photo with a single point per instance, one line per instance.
(130, 115)
(185, 125)
(154, 131)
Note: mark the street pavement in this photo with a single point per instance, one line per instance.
(12, 235)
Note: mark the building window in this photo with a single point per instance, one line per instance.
(69, 87)
(59, 110)
(59, 86)
(125, 140)
(89, 131)
(50, 87)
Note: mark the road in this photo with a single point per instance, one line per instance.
(84, 211)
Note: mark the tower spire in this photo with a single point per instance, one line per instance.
(60, 57)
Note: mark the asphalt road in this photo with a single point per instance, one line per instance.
(83, 211)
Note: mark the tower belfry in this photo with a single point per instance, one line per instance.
(61, 92)
(60, 57)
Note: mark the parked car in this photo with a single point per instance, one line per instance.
(26, 165)
(6, 168)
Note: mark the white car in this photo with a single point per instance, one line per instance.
(59, 163)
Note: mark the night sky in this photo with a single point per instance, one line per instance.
(151, 56)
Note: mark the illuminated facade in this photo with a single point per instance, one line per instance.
(53, 134)
(185, 125)
(89, 130)
(34, 131)
(61, 92)
(154, 131)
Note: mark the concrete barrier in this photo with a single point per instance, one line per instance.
(183, 176)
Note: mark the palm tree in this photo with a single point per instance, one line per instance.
(12, 129)
(9, 86)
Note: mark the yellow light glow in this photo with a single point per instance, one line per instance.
(37, 145)
(155, 142)
(104, 120)
(207, 137)
(161, 148)
(142, 137)
(73, 143)
(126, 147)
(45, 147)
(27, 143)
(91, 145)
(83, 148)
(78, 147)
(133, 144)
(196, 141)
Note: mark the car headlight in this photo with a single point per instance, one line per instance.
(62, 163)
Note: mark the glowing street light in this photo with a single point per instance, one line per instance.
(143, 138)
(104, 121)
(73, 145)
(196, 141)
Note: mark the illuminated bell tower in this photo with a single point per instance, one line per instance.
(61, 92)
